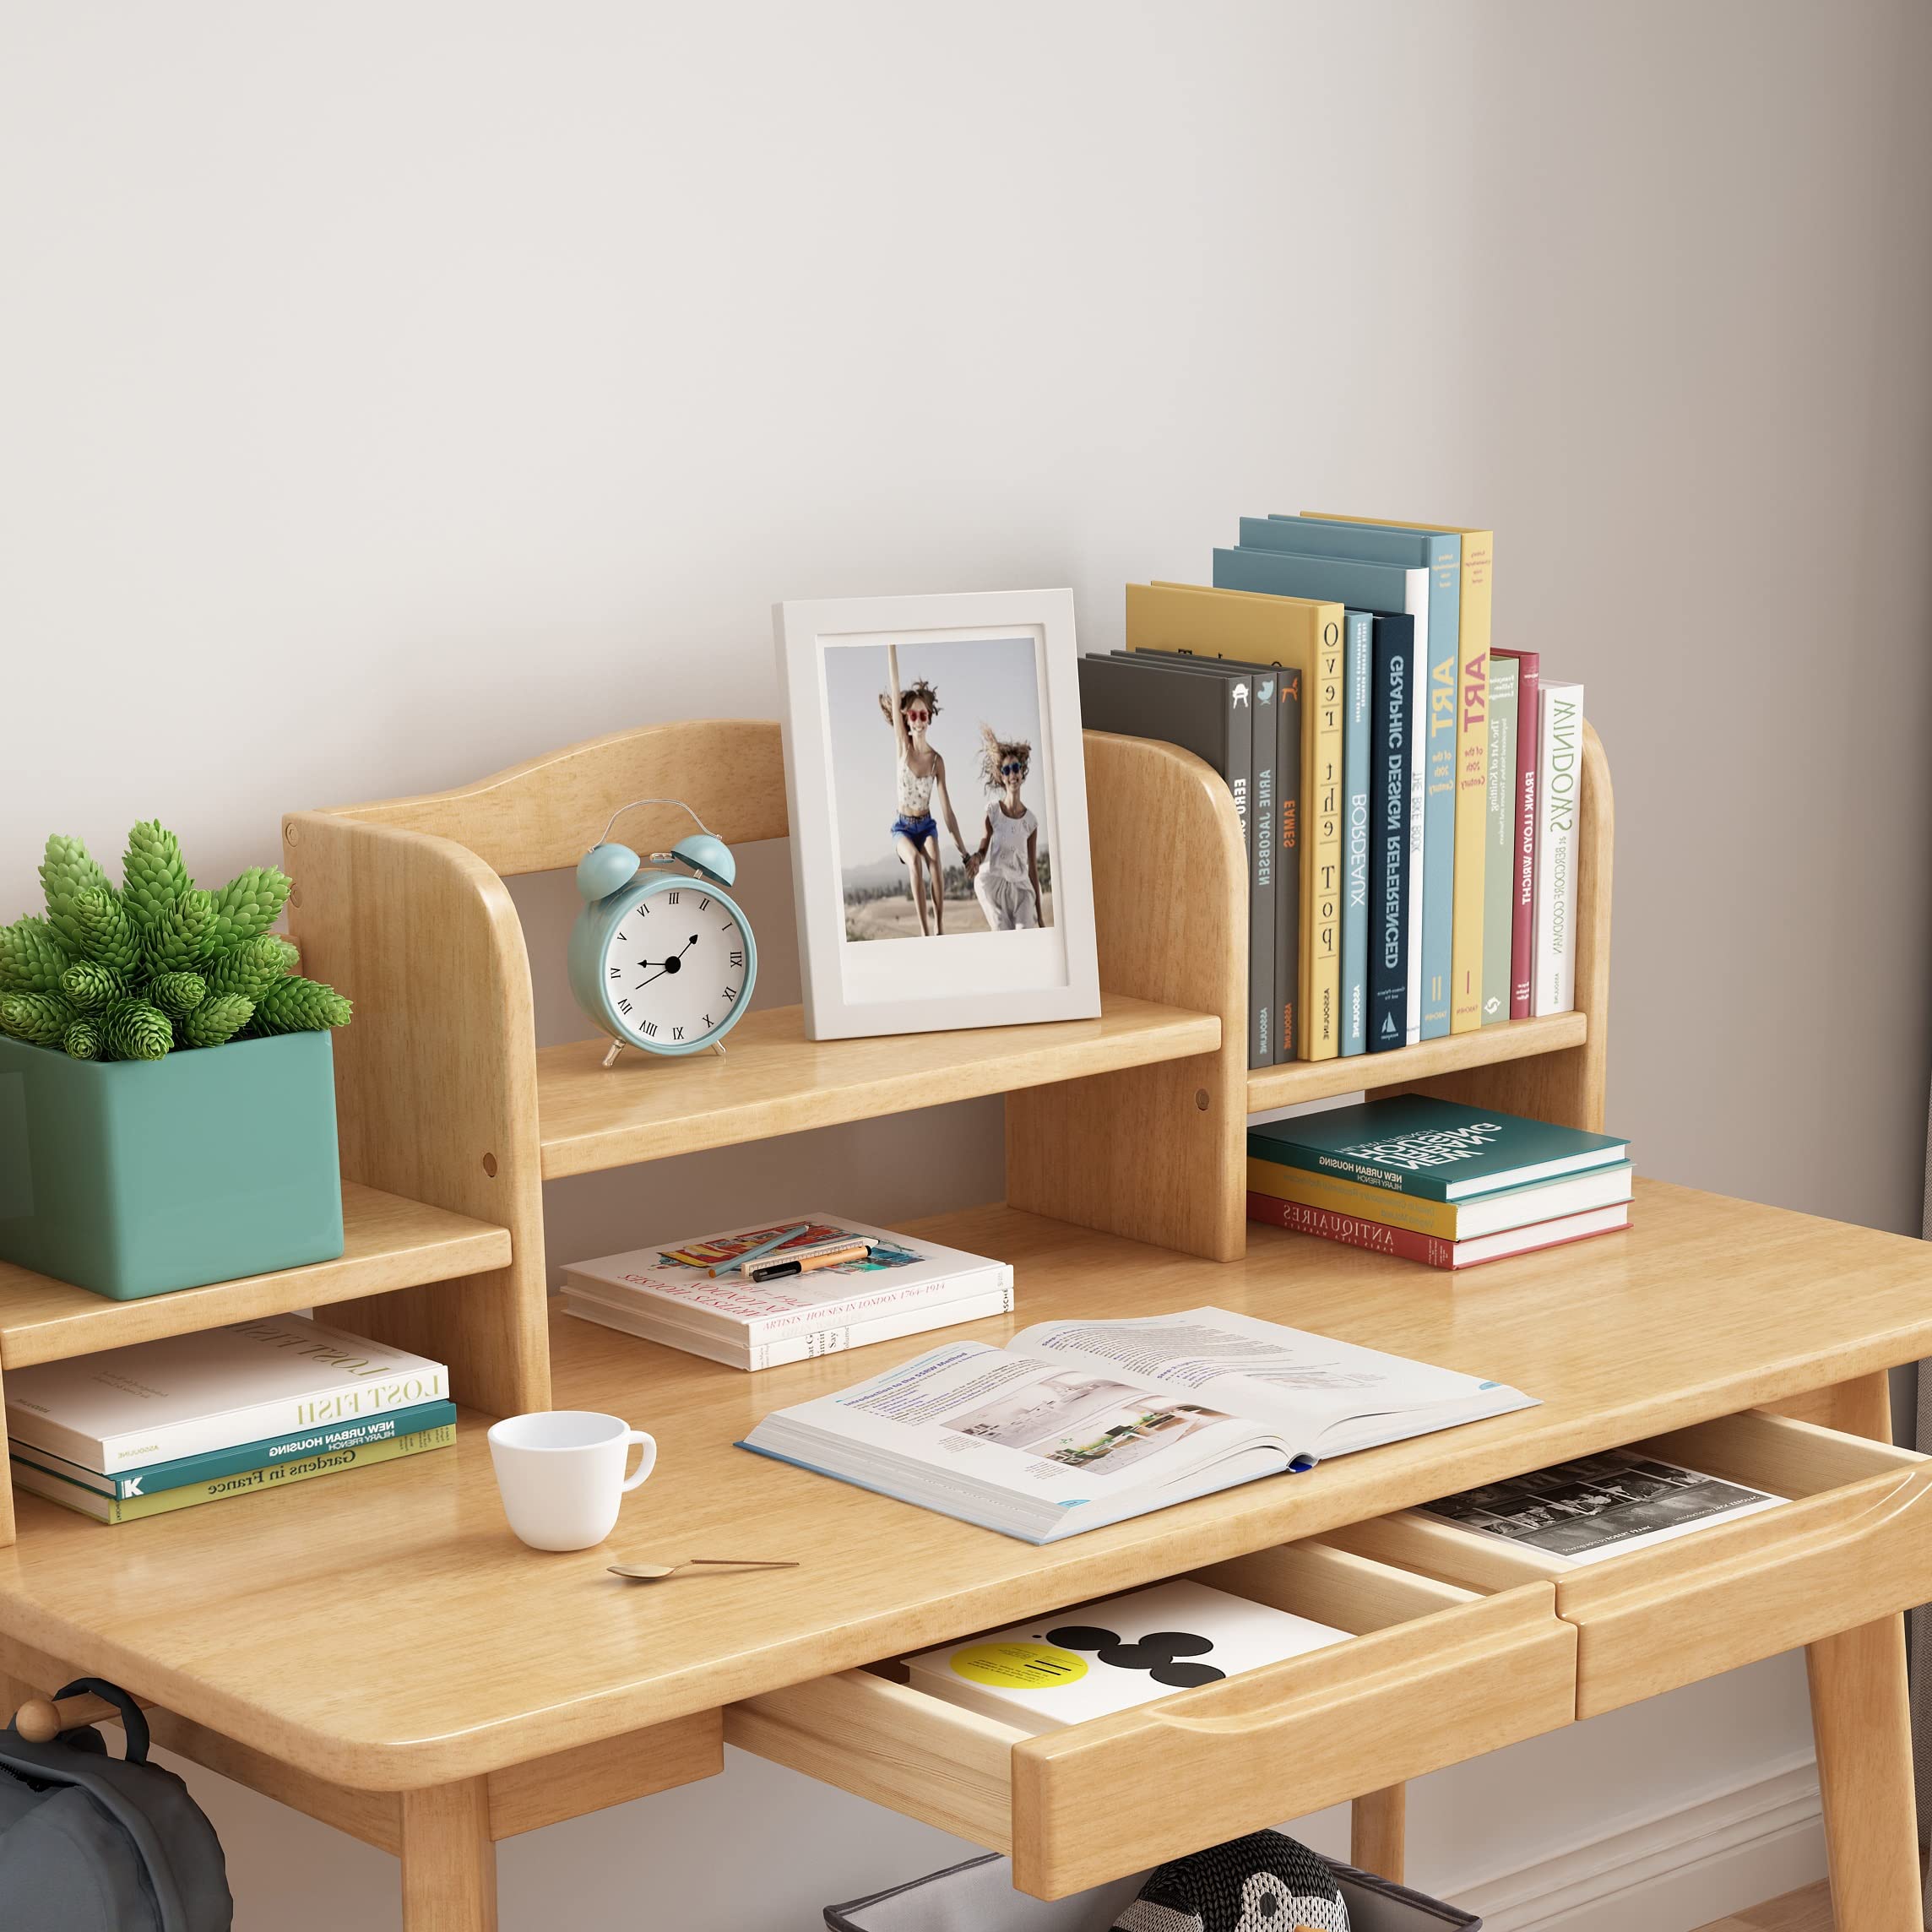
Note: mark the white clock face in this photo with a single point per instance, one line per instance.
(675, 966)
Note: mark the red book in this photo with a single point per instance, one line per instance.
(1430, 1249)
(1522, 932)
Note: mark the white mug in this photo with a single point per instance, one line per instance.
(561, 1474)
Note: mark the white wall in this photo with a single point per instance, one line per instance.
(393, 390)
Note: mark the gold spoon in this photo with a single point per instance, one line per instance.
(653, 1572)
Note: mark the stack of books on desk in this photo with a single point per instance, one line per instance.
(787, 1290)
(1407, 787)
(163, 1425)
(1436, 1182)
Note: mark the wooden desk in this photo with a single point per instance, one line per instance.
(380, 1652)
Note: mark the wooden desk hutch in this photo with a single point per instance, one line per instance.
(429, 1686)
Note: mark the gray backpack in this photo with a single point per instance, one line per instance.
(92, 1843)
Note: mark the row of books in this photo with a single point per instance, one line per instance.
(1434, 1181)
(164, 1426)
(1408, 791)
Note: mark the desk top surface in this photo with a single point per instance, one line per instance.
(385, 1630)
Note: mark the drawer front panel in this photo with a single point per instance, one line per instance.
(1687, 1610)
(1128, 1791)
(1853, 1545)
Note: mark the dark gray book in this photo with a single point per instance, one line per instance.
(1275, 871)
(1208, 710)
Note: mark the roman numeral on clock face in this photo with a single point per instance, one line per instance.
(678, 1033)
(704, 905)
(671, 898)
(737, 960)
(623, 1005)
(651, 1027)
(617, 972)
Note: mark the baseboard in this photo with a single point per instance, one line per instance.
(1672, 1873)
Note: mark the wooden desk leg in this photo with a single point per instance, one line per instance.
(1861, 1722)
(1378, 1826)
(449, 1862)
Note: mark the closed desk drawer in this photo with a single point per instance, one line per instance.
(1435, 1672)
(1854, 1543)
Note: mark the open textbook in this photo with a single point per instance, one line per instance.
(1073, 1425)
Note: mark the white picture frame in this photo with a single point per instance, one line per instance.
(867, 968)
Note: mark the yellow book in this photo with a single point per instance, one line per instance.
(1472, 758)
(1332, 1192)
(1304, 635)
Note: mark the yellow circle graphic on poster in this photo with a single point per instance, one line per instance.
(1021, 1666)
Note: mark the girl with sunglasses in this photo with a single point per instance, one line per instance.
(1005, 869)
(921, 770)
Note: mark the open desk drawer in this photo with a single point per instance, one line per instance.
(1436, 1674)
(1853, 1545)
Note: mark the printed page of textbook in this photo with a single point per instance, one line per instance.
(973, 1421)
(1325, 1397)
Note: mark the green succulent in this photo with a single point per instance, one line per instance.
(135, 1030)
(186, 936)
(153, 877)
(66, 872)
(89, 987)
(296, 1005)
(82, 1040)
(252, 967)
(31, 959)
(103, 931)
(134, 972)
(38, 1019)
(249, 905)
(216, 1019)
(177, 993)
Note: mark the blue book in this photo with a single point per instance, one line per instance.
(1441, 552)
(215, 1464)
(1358, 708)
(1390, 923)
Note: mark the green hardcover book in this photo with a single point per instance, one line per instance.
(1438, 1149)
(152, 1478)
(36, 1480)
(1499, 842)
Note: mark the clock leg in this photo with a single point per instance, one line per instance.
(718, 1047)
(611, 1058)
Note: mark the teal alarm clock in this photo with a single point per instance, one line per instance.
(662, 961)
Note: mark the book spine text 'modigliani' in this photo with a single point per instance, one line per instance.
(1528, 736)
(1561, 783)
(1499, 840)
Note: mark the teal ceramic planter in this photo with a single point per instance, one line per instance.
(135, 1177)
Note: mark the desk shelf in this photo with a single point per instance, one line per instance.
(1454, 1053)
(387, 1243)
(772, 1080)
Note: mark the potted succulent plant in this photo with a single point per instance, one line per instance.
(167, 1100)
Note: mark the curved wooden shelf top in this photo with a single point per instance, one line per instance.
(772, 1080)
(384, 1629)
(387, 1243)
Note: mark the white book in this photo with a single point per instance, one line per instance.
(1595, 1507)
(186, 1394)
(1069, 1666)
(1560, 784)
(674, 1281)
(1077, 1423)
(814, 1342)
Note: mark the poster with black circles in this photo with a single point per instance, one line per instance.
(1097, 1659)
